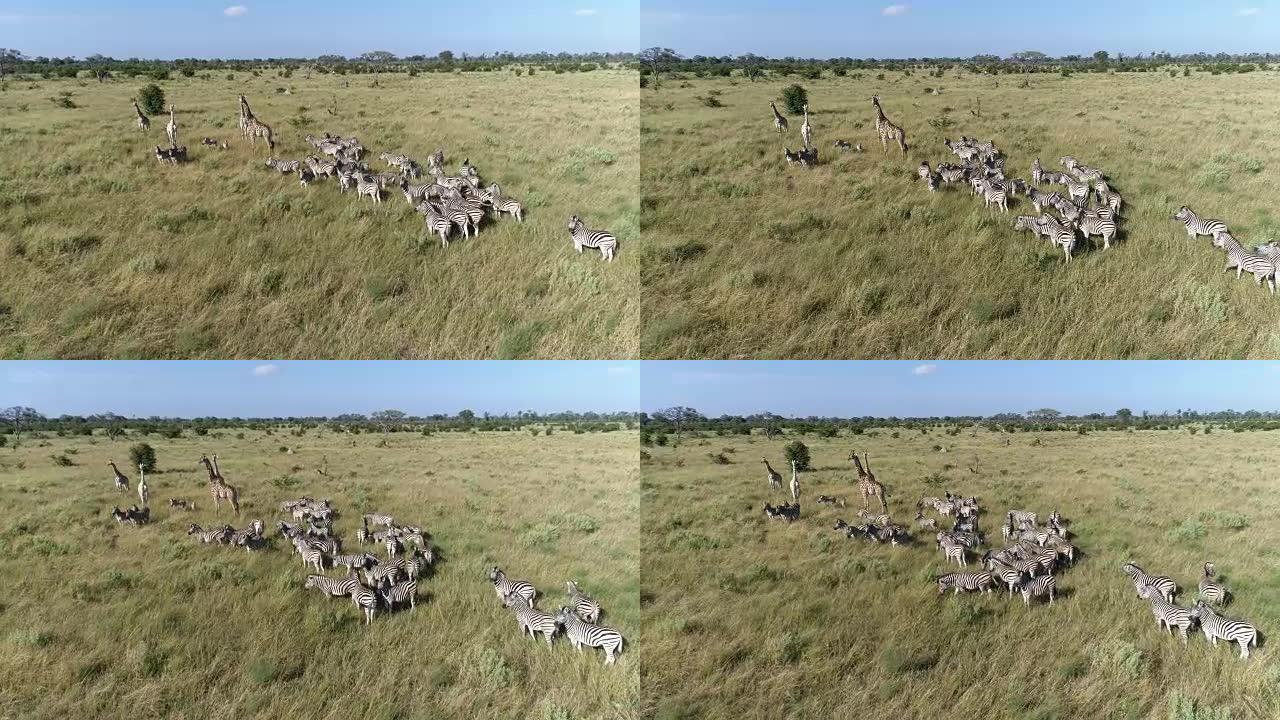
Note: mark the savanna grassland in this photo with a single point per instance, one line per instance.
(748, 258)
(109, 254)
(107, 621)
(759, 619)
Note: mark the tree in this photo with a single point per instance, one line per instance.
(1124, 414)
(1101, 57)
(144, 455)
(386, 418)
(467, 417)
(799, 452)
(378, 56)
(659, 57)
(1043, 415)
(151, 98)
(20, 415)
(678, 417)
(795, 98)
(445, 56)
(771, 424)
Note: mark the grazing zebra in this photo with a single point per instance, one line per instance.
(504, 587)
(806, 130)
(1060, 235)
(366, 600)
(386, 573)
(1012, 577)
(925, 523)
(842, 145)
(306, 176)
(321, 167)
(358, 560)
(951, 173)
(1098, 222)
(144, 122)
(504, 204)
(779, 122)
(587, 238)
(581, 633)
(401, 592)
(282, 166)
(367, 186)
(1210, 589)
(375, 519)
(1197, 225)
(887, 130)
(1110, 199)
(1038, 587)
(246, 537)
(992, 193)
(183, 504)
(219, 535)
(953, 551)
(1166, 613)
(436, 222)
(1165, 585)
(1040, 200)
(923, 170)
(967, 581)
(1038, 228)
(1263, 267)
(335, 587)
(584, 605)
(530, 619)
(1215, 626)
(417, 563)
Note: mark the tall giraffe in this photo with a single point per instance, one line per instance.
(887, 130)
(219, 489)
(806, 130)
(171, 130)
(779, 122)
(144, 122)
(795, 484)
(253, 128)
(122, 482)
(144, 492)
(775, 480)
(245, 114)
(867, 483)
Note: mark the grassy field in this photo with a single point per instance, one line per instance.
(758, 619)
(109, 254)
(106, 621)
(746, 258)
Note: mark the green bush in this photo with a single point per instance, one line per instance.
(794, 98)
(151, 98)
(799, 452)
(144, 455)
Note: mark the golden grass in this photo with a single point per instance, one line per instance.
(758, 619)
(109, 254)
(117, 622)
(745, 258)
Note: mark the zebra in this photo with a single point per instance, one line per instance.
(530, 619)
(967, 581)
(415, 193)
(306, 176)
(992, 193)
(394, 547)
(953, 551)
(504, 204)
(1038, 586)
(314, 557)
(1166, 613)
(418, 563)
(504, 587)
(925, 523)
(220, 535)
(1263, 267)
(1197, 226)
(362, 561)
(586, 238)
(951, 173)
(1215, 626)
(1210, 589)
(321, 167)
(282, 166)
(581, 633)
(1068, 162)
(924, 171)
(399, 593)
(366, 600)
(1164, 585)
(1069, 210)
(457, 215)
(842, 145)
(248, 536)
(1077, 190)
(385, 573)
(334, 587)
(437, 223)
(1060, 235)
(1040, 200)
(367, 186)
(791, 157)
(1037, 172)
(1099, 222)
(1038, 228)
(1005, 573)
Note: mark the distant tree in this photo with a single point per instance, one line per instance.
(659, 57)
(1101, 57)
(151, 98)
(378, 56)
(771, 424)
(18, 416)
(1043, 415)
(144, 455)
(467, 417)
(1124, 414)
(794, 97)
(445, 56)
(678, 417)
(386, 418)
(799, 452)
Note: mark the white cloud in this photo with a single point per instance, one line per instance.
(265, 370)
(1248, 12)
(893, 10)
(925, 369)
(585, 12)
(235, 11)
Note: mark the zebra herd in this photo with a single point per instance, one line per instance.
(1263, 261)
(579, 618)
(1159, 591)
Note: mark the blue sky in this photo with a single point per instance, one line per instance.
(308, 388)
(949, 28)
(292, 28)
(906, 389)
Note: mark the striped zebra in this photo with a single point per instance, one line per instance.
(1068, 162)
(504, 204)
(219, 535)
(384, 574)
(1078, 191)
(457, 215)
(367, 186)
(791, 157)
(592, 636)
(1010, 576)
(1214, 626)
(1098, 222)
(1262, 267)
(400, 593)
(473, 207)
(376, 519)
(437, 223)
(360, 561)
(418, 563)
(1069, 211)
(1210, 589)
(247, 537)
(584, 605)
(334, 587)
(952, 173)
(924, 171)
(967, 581)
(1197, 226)
(1040, 200)
(366, 600)
(953, 551)
(1060, 235)
(1037, 172)
(587, 238)
(1107, 197)
(993, 194)
(394, 547)
(932, 182)
(282, 166)
(306, 176)
(416, 193)
(1038, 587)
(1166, 613)
(1165, 585)
(504, 586)
(321, 167)
(314, 557)
(530, 619)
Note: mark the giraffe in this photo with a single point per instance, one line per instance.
(795, 484)
(867, 483)
(806, 130)
(219, 489)
(253, 128)
(779, 122)
(775, 480)
(245, 114)
(144, 492)
(122, 482)
(171, 130)
(144, 122)
(887, 130)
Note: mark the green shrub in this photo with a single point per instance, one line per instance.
(794, 98)
(151, 98)
(798, 452)
(145, 455)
